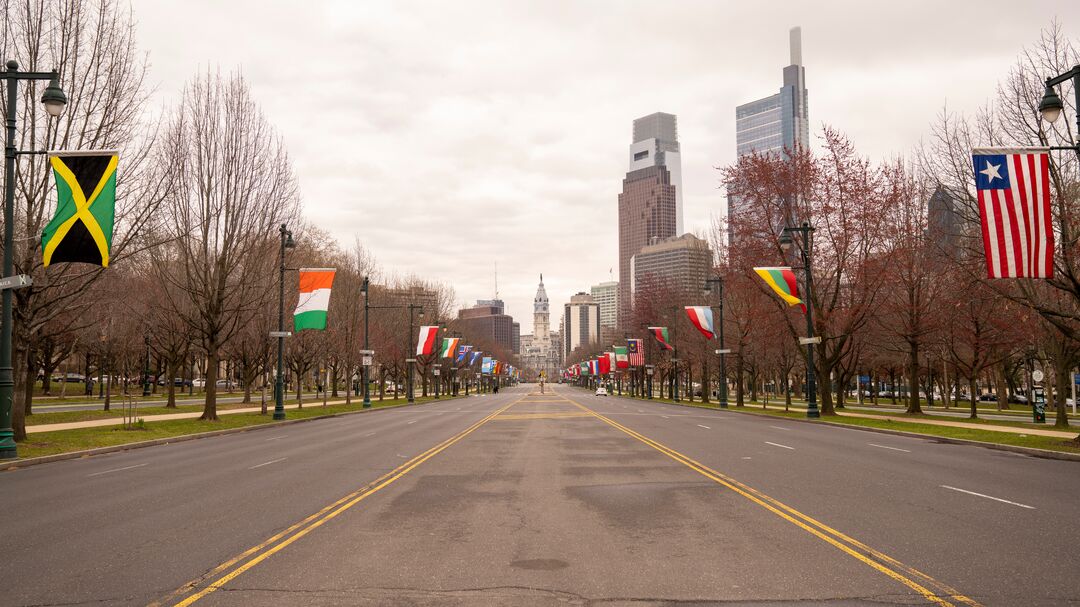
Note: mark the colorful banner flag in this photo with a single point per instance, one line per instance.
(487, 365)
(635, 352)
(475, 355)
(782, 281)
(426, 343)
(81, 230)
(604, 364)
(449, 346)
(1013, 186)
(702, 317)
(314, 298)
(462, 351)
(661, 335)
(621, 358)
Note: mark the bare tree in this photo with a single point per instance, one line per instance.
(231, 185)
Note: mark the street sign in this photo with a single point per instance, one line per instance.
(16, 282)
(724, 351)
(410, 360)
(864, 379)
(1037, 375)
(803, 341)
(367, 352)
(366, 361)
(281, 334)
(435, 372)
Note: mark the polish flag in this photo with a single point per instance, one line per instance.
(426, 344)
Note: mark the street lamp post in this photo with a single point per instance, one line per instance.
(367, 347)
(146, 367)
(719, 283)
(411, 361)
(54, 101)
(1050, 107)
(807, 232)
(674, 355)
(279, 382)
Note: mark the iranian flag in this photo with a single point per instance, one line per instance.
(702, 317)
(426, 344)
(782, 281)
(622, 360)
(449, 347)
(661, 335)
(314, 298)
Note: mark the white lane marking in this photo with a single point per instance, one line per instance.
(989, 497)
(640, 411)
(665, 417)
(746, 458)
(369, 434)
(275, 438)
(779, 445)
(116, 470)
(706, 427)
(888, 447)
(781, 428)
(273, 461)
(412, 422)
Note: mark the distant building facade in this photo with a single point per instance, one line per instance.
(650, 203)
(581, 323)
(682, 263)
(488, 322)
(944, 222)
(540, 352)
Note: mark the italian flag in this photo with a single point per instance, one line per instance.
(314, 298)
(702, 317)
(426, 344)
(661, 335)
(622, 361)
(449, 347)
(782, 281)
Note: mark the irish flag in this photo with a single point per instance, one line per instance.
(314, 298)
(702, 318)
(449, 346)
(426, 344)
(661, 335)
(782, 281)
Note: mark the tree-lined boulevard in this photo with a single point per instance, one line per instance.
(528, 499)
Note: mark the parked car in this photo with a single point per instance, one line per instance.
(71, 378)
(601, 391)
(988, 398)
(1018, 398)
(198, 383)
(179, 382)
(227, 384)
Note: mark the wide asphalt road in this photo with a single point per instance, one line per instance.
(556, 499)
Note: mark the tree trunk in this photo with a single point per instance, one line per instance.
(972, 385)
(170, 399)
(914, 407)
(824, 391)
(1062, 377)
(210, 404)
(739, 389)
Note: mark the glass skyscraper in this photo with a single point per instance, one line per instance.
(778, 121)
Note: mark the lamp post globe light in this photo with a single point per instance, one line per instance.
(719, 283)
(54, 100)
(279, 382)
(1050, 107)
(786, 242)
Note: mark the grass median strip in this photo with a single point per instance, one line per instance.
(81, 439)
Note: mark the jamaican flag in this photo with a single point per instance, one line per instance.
(82, 228)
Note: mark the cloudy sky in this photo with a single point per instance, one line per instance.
(449, 136)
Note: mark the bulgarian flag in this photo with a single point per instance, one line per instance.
(702, 317)
(449, 346)
(426, 344)
(661, 335)
(622, 360)
(314, 298)
(782, 281)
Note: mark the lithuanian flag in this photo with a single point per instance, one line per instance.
(782, 281)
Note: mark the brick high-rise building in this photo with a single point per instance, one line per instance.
(649, 206)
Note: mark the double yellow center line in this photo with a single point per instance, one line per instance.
(251, 557)
(930, 588)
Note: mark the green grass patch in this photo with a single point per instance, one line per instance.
(64, 441)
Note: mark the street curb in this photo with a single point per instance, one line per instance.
(1032, 451)
(45, 459)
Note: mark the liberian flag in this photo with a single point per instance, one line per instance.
(702, 318)
(1013, 186)
(314, 298)
(635, 353)
(426, 344)
(621, 361)
(661, 335)
(449, 346)
(782, 281)
(462, 351)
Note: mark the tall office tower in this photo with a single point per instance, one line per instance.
(681, 264)
(778, 122)
(607, 295)
(649, 205)
(581, 323)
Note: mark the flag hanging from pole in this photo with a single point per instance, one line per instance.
(81, 230)
(782, 281)
(621, 357)
(702, 317)
(475, 355)
(661, 335)
(1013, 186)
(426, 343)
(462, 351)
(449, 346)
(635, 352)
(314, 298)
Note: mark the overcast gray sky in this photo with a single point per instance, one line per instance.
(451, 135)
